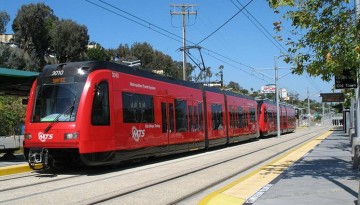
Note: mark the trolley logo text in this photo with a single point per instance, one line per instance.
(43, 137)
(137, 134)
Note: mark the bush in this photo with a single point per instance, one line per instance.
(12, 115)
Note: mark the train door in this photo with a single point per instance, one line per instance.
(100, 130)
(167, 120)
(195, 121)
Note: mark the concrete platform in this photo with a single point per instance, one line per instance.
(318, 172)
(323, 176)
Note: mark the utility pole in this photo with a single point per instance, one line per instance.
(357, 90)
(185, 10)
(308, 95)
(277, 98)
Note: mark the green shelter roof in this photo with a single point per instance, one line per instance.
(16, 82)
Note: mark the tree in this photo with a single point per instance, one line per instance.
(16, 58)
(234, 86)
(326, 36)
(161, 62)
(69, 40)
(143, 52)
(31, 28)
(97, 52)
(4, 19)
(123, 52)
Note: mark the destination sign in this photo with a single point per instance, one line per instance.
(346, 80)
(59, 80)
(332, 97)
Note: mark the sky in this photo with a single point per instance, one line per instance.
(243, 45)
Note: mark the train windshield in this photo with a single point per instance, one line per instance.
(57, 102)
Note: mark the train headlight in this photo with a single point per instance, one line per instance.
(28, 136)
(71, 136)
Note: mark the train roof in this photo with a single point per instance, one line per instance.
(229, 93)
(91, 66)
(72, 68)
(274, 103)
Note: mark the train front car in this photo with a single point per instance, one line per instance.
(98, 113)
(51, 132)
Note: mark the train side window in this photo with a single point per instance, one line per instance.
(266, 115)
(233, 121)
(190, 117)
(201, 116)
(231, 117)
(196, 118)
(252, 115)
(270, 116)
(163, 117)
(246, 122)
(171, 116)
(138, 108)
(100, 114)
(180, 116)
(236, 116)
(241, 117)
(217, 118)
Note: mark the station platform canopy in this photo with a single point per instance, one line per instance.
(16, 82)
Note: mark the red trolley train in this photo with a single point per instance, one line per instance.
(97, 113)
(268, 118)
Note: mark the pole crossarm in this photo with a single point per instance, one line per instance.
(184, 11)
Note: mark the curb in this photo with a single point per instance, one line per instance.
(14, 169)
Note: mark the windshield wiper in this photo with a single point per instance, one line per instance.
(70, 108)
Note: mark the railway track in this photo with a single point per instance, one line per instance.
(171, 181)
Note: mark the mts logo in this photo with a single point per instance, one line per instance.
(137, 133)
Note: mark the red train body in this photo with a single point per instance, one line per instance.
(97, 113)
(268, 118)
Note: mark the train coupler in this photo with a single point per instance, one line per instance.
(39, 159)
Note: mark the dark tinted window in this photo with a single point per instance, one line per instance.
(163, 117)
(101, 109)
(137, 108)
(171, 116)
(201, 116)
(217, 117)
(252, 115)
(180, 116)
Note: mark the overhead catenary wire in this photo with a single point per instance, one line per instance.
(251, 70)
(260, 27)
(226, 22)
(313, 83)
(147, 25)
(164, 32)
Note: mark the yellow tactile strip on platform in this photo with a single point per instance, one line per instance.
(240, 190)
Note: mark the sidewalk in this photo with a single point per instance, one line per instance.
(323, 176)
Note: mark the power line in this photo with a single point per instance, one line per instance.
(313, 83)
(146, 25)
(172, 36)
(263, 30)
(216, 30)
